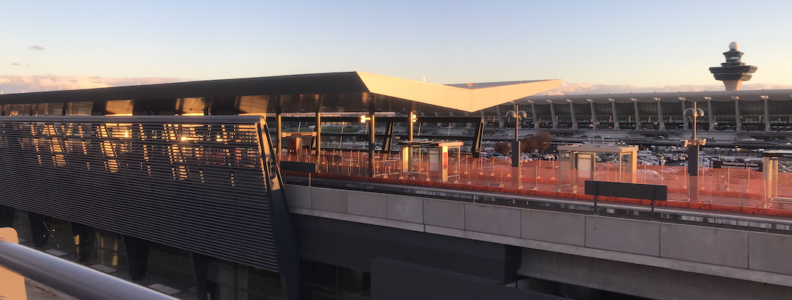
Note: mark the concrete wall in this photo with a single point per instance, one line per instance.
(752, 256)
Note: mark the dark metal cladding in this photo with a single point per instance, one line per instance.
(194, 183)
(345, 82)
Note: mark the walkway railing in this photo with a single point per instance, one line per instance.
(719, 189)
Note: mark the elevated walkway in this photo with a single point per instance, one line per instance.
(746, 249)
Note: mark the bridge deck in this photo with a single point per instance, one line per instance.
(731, 190)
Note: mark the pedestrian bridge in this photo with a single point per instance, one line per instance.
(677, 253)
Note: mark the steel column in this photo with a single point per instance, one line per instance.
(615, 116)
(737, 115)
(710, 114)
(533, 114)
(318, 129)
(279, 127)
(477, 139)
(285, 235)
(39, 225)
(137, 251)
(7, 214)
(685, 122)
(388, 140)
(572, 113)
(500, 118)
(766, 115)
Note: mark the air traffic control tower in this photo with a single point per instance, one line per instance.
(733, 72)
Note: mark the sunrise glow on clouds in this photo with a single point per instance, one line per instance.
(41, 83)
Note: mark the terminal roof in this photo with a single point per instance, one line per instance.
(468, 98)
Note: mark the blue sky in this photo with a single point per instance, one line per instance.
(637, 43)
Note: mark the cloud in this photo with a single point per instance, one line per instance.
(36, 47)
(40, 83)
(15, 64)
(590, 88)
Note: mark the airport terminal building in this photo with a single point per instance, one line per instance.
(182, 188)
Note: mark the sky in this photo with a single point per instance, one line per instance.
(594, 46)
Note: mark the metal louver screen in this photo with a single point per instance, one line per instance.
(193, 183)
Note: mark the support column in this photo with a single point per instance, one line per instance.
(572, 113)
(615, 116)
(204, 289)
(7, 214)
(737, 115)
(766, 115)
(279, 127)
(553, 115)
(85, 237)
(685, 121)
(637, 116)
(372, 138)
(710, 114)
(318, 129)
(39, 225)
(386, 145)
(594, 121)
(411, 125)
(137, 251)
(660, 121)
(500, 117)
(477, 138)
(533, 114)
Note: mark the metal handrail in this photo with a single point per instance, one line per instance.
(70, 278)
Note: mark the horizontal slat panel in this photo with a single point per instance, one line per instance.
(194, 185)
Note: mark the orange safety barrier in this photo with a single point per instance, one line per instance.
(510, 190)
(528, 192)
(725, 208)
(777, 212)
(446, 184)
(697, 205)
(546, 194)
(753, 210)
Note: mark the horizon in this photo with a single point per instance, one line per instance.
(592, 47)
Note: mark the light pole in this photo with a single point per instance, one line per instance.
(518, 115)
(693, 151)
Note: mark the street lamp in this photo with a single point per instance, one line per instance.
(517, 115)
(693, 151)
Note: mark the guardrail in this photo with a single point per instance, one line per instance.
(70, 278)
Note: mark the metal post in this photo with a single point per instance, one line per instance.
(572, 113)
(685, 122)
(737, 120)
(500, 118)
(533, 114)
(410, 126)
(615, 116)
(279, 126)
(318, 128)
(516, 143)
(710, 113)
(766, 114)
(372, 139)
(693, 163)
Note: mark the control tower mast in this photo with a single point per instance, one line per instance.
(733, 72)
